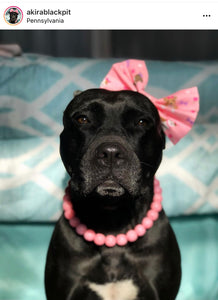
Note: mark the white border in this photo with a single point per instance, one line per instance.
(121, 15)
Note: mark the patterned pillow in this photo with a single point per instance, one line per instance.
(189, 173)
(34, 90)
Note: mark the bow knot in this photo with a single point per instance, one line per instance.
(177, 111)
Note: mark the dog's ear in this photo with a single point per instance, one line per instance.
(163, 137)
(77, 92)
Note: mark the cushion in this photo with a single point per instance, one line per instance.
(189, 173)
(34, 91)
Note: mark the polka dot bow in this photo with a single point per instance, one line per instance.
(177, 111)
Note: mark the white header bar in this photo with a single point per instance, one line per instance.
(110, 15)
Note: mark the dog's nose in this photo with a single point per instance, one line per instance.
(111, 154)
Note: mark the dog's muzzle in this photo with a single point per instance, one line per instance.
(111, 156)
(110, 167)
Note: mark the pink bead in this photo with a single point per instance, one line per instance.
(110, 241)
(152, 214)
(81, 229)
(131, 236)
(99, 239)
(67, 205)
(74, 222)
(89, 235)
(67, 190)
(156, 206)
(69, 214)
(156, 183)
(147, 223)
(157, 190)
(140, 230)
(121, 239)
(66, 197)
(157, 198)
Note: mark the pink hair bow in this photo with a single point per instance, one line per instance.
(177, 111)
(11, 10)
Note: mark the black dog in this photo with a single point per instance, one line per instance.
(111, 147)
(13, 17)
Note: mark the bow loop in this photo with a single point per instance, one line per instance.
(177, 111)
(127, 75)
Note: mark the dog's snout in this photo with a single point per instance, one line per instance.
(111, 154)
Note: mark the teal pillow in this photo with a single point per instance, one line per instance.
(34, 91)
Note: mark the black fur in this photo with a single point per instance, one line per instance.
(13, 17)
(112, 158)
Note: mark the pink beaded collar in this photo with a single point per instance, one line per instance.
(121, 239)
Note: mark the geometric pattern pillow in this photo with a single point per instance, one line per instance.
(189, 172)
(32, 188)
(34, 91)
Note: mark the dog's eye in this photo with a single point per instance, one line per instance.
(82, 120)
(141, 122)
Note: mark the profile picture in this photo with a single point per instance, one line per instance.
(13, 15)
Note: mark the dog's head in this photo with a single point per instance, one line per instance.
(13, 16)
(112, 143)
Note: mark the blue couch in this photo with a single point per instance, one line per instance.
(34, 90)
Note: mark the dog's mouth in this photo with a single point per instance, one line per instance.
(110, 188)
